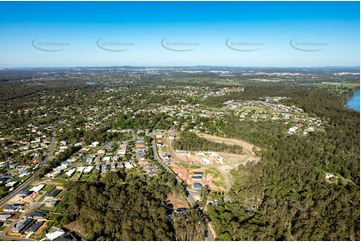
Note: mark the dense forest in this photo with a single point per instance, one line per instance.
(124, 206)
(190, 141)
(286, 196)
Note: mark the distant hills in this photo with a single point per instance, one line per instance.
(198, 67)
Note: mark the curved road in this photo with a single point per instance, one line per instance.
(211, 233)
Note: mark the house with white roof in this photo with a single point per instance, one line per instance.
(54, 235)
(37, 188)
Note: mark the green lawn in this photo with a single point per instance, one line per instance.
(219, 184)
(59, 180)
(49, 209)
(188, 166)
(48, 188)
(216, 174)
(18, 179)
(85, 177)
(38, 237)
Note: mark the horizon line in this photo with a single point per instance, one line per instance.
(173, 66)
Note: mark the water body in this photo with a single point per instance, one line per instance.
(90, 83)
(354, 101)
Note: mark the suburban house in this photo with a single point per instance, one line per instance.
(23, 172)
(23, 193)
(5, 216)
(37, 215)
(88, 169)
(21, 225)
(53, 193)
(37, 188)
(13, 207)
(198, 173)
(182, 152)
(206, 161)
(220, 158)
(140, 155)
(181, 210)
(11, 184)
(128, 165)
(197, 178)
(104, 168)
(51, 203)
(70, 172)
(54, 235)
(113, 166)
(35, 227)
(89, 159)
(159, 139)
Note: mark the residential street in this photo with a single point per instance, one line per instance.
(25, 184)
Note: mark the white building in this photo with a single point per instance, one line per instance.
(206, 161)
(54, 235)
(37, 188)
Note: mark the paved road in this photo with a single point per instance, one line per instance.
(23, 186)
(31, 178)
(211, 235)
(34, 206)
(171, 148)
(160, 161)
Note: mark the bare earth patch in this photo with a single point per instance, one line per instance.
(178, 201)
(182, 173)
(28, 199)
(75, 227)
(222, 162)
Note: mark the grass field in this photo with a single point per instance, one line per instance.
(220, 184)
(188, 166)
(59, 180)
(216, 174)
(334, 84)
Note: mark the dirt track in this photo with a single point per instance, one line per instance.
(247, 147)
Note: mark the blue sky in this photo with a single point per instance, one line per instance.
(193, 33)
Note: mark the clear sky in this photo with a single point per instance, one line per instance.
(40, 34)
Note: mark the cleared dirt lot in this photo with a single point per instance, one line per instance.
(219, 179)
(178, 201)
(182, 173)
(28, 199)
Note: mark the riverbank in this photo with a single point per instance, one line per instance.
(354, 101)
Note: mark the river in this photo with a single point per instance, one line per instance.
(354, 101)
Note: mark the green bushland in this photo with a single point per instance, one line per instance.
(285, 196)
